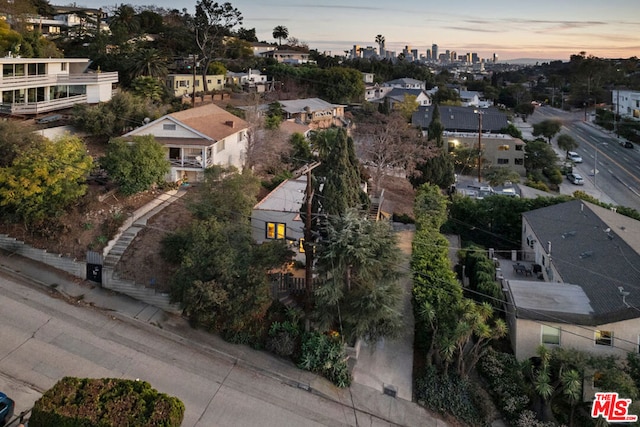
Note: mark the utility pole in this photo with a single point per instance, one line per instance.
(616, 118)
(195, 65)
(479, 113)
(308, 237)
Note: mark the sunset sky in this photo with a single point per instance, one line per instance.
(542, 29)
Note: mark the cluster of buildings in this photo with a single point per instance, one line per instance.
(432, 55)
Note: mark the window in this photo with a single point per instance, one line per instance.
(550, 335)
(604, 338)
(518, 162)
(184, 83)
(301, 246)
(63, 66)
(276, 230)
(220, 146)
(519, 147)
(503, 161)
(169, 126)
(504, 147)
(174, 153)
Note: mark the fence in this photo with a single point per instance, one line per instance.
(286, 284)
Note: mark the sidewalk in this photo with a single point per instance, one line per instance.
(365, 398)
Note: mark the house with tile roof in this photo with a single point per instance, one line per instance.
(589, 259)
(198, 138)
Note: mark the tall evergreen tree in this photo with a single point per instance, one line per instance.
(436, 128)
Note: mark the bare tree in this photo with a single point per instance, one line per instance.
(387, 144)
(212, 22)
(266, 148)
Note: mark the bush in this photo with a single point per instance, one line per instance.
(283, 338)
(79, 402)
(448, 395)
(506, 383)
(325, 355)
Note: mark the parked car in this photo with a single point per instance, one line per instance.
(574, 157)
(626, 144)
(6, 409)
(575, 178)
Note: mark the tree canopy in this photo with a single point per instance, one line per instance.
(547, 128)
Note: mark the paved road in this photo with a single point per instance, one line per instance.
(618, 168)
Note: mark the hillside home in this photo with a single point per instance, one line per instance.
(497, 149)
(588, 257)
(405, 83)
(398, 95)
(286, 56)
(462, 119)
(277, 216)
(32, 86)
(315, 112)
(198, 138)
(182, 84)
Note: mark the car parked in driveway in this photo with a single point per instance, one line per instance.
(574, 157)
(6, 409)
(575, 178)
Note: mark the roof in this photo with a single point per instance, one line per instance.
(404, 81)
(286, 197)
(468, 94)
(400, 92)
(596, 249)
(210, 120)
(296, 106)
(461, 119)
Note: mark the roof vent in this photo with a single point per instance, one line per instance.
(229, 123)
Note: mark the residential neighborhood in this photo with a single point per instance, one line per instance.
(201, 226)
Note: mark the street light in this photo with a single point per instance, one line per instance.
(479, 113)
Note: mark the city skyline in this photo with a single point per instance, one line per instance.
(545, 29)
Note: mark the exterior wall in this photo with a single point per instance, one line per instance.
(500, 150)
(294, 227)
(528, 336)
(157, 130)
(182, 84)
(627, 103)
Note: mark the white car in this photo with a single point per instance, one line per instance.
(574, 157)
(575, 178)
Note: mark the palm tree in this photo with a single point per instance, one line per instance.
(380, 40)
(148, 62)
(280, 32)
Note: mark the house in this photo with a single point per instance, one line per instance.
(469, 98)
(405, 83)
(182, 84)
(367, 78)
(253, 79)
(314, 112)
(259, 48)
(374, 92)
(69, 19)
(277, 216)
(588, 258)
(287, 56)
(626, 103)
(462, 119)
(198, 138)
(397, 95)
(32, 86)
(497, 149)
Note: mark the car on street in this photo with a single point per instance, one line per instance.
(6, 409)
(626, 144)
(575, 178)
(574, 157)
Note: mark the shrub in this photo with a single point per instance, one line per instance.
(105, 402)
(283, 338)
(325, 355)
(448, 394)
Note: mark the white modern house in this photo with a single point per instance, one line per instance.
(198, 138)
(626, 103)
(32, 86)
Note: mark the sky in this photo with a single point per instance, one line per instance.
(543, 29)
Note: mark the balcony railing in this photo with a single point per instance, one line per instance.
(190, 162)
(18, 82)
(43, 106)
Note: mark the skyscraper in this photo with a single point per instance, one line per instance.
(434, 52)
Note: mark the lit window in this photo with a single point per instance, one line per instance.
(550, 335)
(301, 246)
(604, 338)
(276, 230)
(503, 148)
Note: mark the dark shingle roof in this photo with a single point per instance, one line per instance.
(461, 119)
(594, 248)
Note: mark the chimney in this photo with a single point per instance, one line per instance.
(229, 123)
